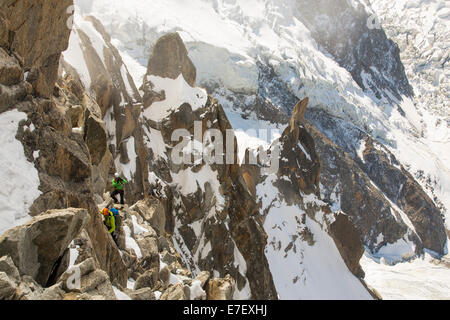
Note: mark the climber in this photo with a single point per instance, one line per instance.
(110, 222)
(117, 218)
(118, 184)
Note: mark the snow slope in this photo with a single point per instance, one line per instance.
(419, 279)
(300, 269)
(20, 181)
(177, 92)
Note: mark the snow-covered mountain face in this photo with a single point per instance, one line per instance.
(291, 225)
(347, 157)
(213, 209)
(345, 30)
(420, 28)
(259, 57)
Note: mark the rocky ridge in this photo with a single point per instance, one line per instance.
(205, 235)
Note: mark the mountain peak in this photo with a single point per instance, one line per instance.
(170, 57)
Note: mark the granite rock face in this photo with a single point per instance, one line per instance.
(170, 58)
(350, 35)
(38, 32)
(36, 246)
(360, 175)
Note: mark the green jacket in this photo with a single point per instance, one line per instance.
(110, 222)
(118, 185)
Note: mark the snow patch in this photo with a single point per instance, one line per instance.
(120, 295)
(177, 92)
(131, 243)
(20, 178)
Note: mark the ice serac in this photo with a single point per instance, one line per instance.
(358, 43)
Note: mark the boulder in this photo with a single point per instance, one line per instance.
(147, 280)
(176, 292)
(144, 294)
(7, 266)
(11, 72)
(164, 274)
(168, 258)
(63, 157)
(154, 213)
(94, 281)
(203, 277)
(220, 289)
(36, 246)
(28, 289)
(163, 244)
(83, 268)
(96, 139)
(91, 282)
(130, 259)
(149, 261)
(11, 95)
(8, 287)
(55, 292)
(148, 244)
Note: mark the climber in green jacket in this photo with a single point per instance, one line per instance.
(118, 184)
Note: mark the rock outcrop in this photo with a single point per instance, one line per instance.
(220, 289)
(348, 241)
(169, 59)
(373, 181)
(7, 287)
(38, 40)
(223, 207)
(59, 153)
(298, 223)
(299, 160)
(116, 105)
(36, 246)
